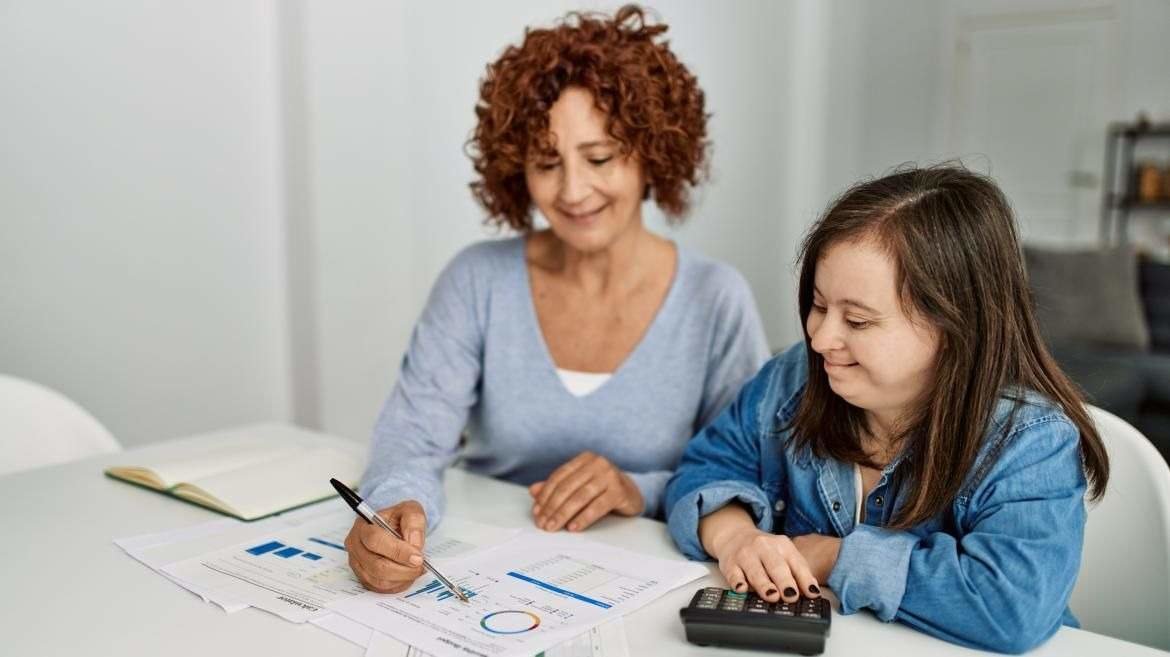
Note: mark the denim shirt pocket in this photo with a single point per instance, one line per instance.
(772, 474)
(776, 499)
(797, 523)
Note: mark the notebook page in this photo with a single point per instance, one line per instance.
(217, 460)
(282, 483)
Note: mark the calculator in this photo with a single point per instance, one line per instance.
(722, 617)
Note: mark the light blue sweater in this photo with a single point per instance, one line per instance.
(477, 360)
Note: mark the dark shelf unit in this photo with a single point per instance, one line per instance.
(1119, 199)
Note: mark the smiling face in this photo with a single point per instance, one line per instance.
(876, 357)
(588, 190)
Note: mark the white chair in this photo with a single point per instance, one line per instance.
(39, 426)
(1123, 589)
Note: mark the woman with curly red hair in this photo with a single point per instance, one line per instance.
(580, 357)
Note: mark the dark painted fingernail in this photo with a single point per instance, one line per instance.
(814, 588)
(739, 587)
(769, 593)
(789, 592)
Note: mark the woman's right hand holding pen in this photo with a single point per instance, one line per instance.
(383, 563)
(768, 563)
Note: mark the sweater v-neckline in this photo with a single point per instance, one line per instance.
(549, 366)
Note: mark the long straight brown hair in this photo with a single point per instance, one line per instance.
(953, 241)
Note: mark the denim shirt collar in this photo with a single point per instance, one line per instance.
(835, 479)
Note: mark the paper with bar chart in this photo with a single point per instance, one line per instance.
(527, 595)
(293, 572)
(297, 571)
(605, 640)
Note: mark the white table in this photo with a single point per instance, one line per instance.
(68, 590)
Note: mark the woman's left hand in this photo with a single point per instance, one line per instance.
(820, 552)
(582, 491)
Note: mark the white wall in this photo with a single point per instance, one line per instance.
(890, 74)
(141, 236)
(219, 212)
(220, 139)
(743, 60)
(1145, 85)
(884, 86)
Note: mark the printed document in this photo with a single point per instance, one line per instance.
(605, 640)
(296, 571)
(527, 595)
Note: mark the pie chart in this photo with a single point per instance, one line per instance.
(510, 622)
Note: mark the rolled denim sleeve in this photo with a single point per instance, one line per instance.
(686, 513)
(720, 465)
(871, 570)
(1003, 581)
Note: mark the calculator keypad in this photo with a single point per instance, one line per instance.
(719, 617)
(709, 599)
(728, 600)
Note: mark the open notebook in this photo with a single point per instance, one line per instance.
(250, 472)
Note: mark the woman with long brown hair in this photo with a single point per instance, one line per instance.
(920, 452)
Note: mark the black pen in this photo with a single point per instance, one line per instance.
(363, 510)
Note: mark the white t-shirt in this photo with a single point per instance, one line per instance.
(580, 384)
(858, 485)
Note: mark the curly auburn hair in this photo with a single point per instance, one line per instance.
(654, 105)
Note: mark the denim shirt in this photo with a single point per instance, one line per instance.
(994, 570)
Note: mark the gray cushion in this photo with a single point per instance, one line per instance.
(1155, 367)
(1088, 297)
(1110, 379)
(1156, 427)
(1155, 285)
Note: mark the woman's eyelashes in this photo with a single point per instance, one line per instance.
(549, 165)
(854, 323)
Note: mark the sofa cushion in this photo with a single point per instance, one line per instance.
(1155, 369)
(1088, 297)
(1155, 289)
(1156, 427)
(1110, 379)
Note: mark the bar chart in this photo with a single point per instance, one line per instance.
(294, 572)
(441, 592)
(281, 550)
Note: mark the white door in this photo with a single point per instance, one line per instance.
(1032, 94)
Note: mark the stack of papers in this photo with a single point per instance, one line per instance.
(530, 591)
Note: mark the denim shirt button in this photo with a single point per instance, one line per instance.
(878, 500)
(779, 506)
(836, 506)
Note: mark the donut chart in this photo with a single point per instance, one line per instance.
(510, 622)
